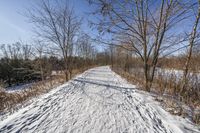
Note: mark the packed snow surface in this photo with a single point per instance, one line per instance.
(97, 101)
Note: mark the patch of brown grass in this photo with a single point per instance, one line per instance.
(168, 92)
(9, 100)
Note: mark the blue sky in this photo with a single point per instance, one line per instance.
(14, 26)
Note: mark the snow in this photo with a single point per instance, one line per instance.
(18, 88)
(97, 101)
(175, 72)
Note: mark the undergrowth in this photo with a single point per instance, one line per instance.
(167, 90)
(8, 101)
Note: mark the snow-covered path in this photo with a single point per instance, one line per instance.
(97, 101)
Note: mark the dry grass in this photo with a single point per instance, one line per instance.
(167, 90)
(129, 77)
(9, 100)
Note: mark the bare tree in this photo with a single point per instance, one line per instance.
(85, 48)
(18, 50)
(111, 50)
(143, 24)
(39, 47)
(192, 38)
(57, 24)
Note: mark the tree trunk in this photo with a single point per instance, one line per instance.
(66, 75)
(70, 73)
(191, 44)
(41, 71)
(112, 60)
(9, 81)
(146, 73)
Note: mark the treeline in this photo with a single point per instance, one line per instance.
(60, 45)
(169, 72)
(20, 63)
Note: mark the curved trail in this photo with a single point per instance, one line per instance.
(97, 101)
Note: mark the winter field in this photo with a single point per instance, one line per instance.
(97, 101)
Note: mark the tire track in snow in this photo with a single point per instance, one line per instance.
(98, 101)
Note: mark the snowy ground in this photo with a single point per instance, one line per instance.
(97, 101)
(18, 88)
(166, 72)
